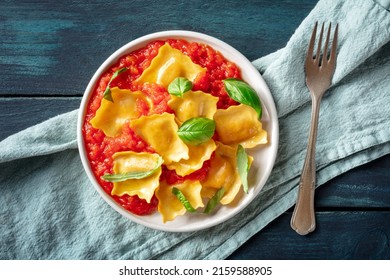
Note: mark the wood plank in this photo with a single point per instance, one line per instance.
(19, 113)
(53, 48)
(367, 186)
(339, 235)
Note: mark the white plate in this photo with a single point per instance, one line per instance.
(264, 155)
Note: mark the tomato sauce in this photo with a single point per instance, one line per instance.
(101, 148)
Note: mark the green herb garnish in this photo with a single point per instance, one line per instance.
(196, 130)
(242, 92)
(180, 196)
(179, 86)
(213, 202)
(243, 167)
(132, 175)
(107, 92)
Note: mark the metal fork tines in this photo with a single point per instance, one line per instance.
(319, 68)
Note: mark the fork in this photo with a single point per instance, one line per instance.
(319, 70)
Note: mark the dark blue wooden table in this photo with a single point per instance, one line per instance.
(50, 49)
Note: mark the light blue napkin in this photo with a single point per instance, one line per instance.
(49, 209)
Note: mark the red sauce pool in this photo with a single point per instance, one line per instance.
(100, 148)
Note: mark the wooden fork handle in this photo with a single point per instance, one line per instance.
(303, 218)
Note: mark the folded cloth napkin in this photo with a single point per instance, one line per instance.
(49, 209)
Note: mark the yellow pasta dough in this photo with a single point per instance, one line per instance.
(169, 64)
(239, 125)
(198, 154)
(169, 205)
(193, 104)
(223, 173)
(160, 132)
(129, 161)
(111, 116)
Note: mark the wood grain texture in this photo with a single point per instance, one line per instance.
(54, 47)
(364, 187)
(21, 113)
(338, 236)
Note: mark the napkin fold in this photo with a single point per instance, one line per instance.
(49, 209)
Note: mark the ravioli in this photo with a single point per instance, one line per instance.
(111, 116)
(169, 64)
(239, 125)
(193, 104)
(155, 117)
(129, 161)
(223, 173)
(160, 132)
(170, 206)
(198, 154)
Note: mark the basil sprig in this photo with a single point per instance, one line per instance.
(213, 202)
(180, 196)
(242, 92)
(196, 130)
(243, 167)
(107, 92)
(179, 86)
(133, 175)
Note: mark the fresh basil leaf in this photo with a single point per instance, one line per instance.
(117, 72)
(213, 202)
(179, 86)
(132, 175)
(242, 92)
(107, 92)
(196, 130)
(243, 167)
(180, 196)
